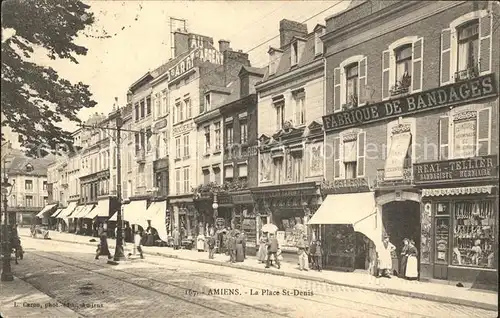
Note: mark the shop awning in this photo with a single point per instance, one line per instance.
(456, 191)
(45, 210)
(356, 209)
(101, 210)
(54, 215)
(397, 154)
(114, 217)
(86, 211)
(134, 212)
(77, 211)
(67, 211)
(156, 213)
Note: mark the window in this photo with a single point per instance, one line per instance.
(45, 201)
(468, 50)
(158, 106)
(217, 136)
(45, 186)
(28, 185)
(351, 88)
(177, 147)
(148, 105)
(186, 180)
(403, 72)
(207, 102)
(465, 134)
(474, 234)
(243, 132)
(279, 105)
(149, 134)
(349, 155)
(137, 142)
(229, 135)
(136, 108)
(142, 108)
(187, 103)
(297, 166)
(207, 139)
(299, 98)
(206, 175)
(318, 44)
(295, 53)
(178, 180)
(217, 175)
(29, 201)
(278, 170)
(177, 117)
(142, 134)
(164, 97)
(186, 145)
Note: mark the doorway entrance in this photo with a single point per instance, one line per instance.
(401, 219)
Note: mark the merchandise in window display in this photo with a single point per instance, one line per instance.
(473, 234)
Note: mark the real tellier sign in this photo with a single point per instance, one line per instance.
(480, 87)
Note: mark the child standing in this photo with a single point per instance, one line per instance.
(138, 243)
(318, 256)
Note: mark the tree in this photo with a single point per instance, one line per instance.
(34, 98)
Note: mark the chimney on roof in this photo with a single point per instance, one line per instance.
(289, 29)
(181, 42)
(224, 46)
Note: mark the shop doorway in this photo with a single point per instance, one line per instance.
(401, 219)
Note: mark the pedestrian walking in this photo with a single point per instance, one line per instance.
(312, 252)
(411, 272)
(177, 239)
(262, 252)
(318, 256)
(239, 251)
(244, 244)
(385, 258)
(138, 243)
(231, 247)
(272, 251)
(102, 248)
(303, 261)
(200, 242)
(404, 257)
(211, 245)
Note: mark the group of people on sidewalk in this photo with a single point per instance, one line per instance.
(409, 263)
(103, 248)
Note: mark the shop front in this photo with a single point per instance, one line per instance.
(245, 218)
(459, 239)
(289, 207)
(348, 224)
(184, 215)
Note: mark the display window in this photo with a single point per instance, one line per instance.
(474, 233)
(286, 224)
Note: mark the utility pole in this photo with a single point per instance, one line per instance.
(6, 248)
(119, 253)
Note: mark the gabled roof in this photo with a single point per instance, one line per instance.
(16, 165)
(319, 27)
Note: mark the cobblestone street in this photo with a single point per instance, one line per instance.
(156, 286)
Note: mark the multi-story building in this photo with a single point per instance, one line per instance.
(412, 103)
(290, 107)
(196, 82)
(28, 177)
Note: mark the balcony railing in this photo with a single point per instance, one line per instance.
(402, 86)
(405, 180)
(469, 73)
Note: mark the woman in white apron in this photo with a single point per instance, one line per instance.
(412, 263)
(200, 242)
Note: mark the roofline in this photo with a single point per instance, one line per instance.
(142, 78)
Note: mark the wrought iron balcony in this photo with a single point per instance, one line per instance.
(402, 86)
(406, 180)
(469, 73)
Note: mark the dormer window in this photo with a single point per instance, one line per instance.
(29, 167)
(295, 53)
(207, 102)
(318, 44)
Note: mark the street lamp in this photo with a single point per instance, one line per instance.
(215, 206)
(6, 270)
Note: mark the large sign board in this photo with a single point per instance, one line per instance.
(474, 89)
(201, 54)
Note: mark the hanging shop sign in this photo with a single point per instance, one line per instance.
(474, 89)
(456, 170)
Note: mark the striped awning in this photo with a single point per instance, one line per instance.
(54, 215)
(456, 191)
(45, 210)
(67, 211)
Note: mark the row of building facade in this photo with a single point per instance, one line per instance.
(384, 119)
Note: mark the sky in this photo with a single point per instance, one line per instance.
(142, 40)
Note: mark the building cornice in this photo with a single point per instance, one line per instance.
(316, 65)
(203, 118)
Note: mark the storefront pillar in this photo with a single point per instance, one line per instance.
(176, 217)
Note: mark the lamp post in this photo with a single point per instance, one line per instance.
(215, 206)
(6, 269)
(119, 253)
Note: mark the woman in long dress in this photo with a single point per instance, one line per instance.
(240, 256)
(404, 257)
(411, 272)
(102, 248)
(262, 253)
(200, 242)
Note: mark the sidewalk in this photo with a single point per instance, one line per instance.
(423, 290)
(20, 299)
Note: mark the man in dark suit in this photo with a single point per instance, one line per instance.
(231, 245)
(272, 250)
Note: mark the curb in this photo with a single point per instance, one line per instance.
(391, 291)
